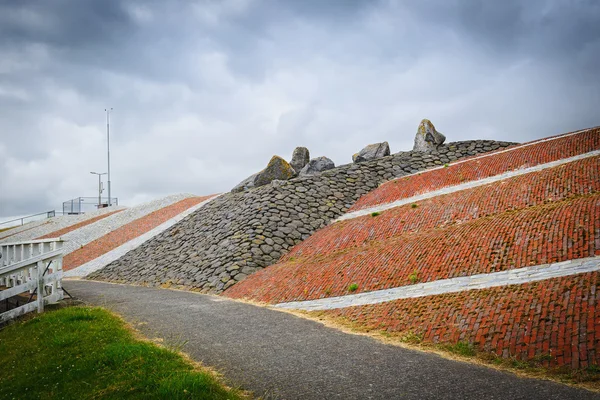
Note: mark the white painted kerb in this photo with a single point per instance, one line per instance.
(453, 285)
(115, 254)
(463, 186)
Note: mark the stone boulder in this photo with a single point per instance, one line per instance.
(277, 168)
(316, 166)
(300, 158)
(244, 185)
(371, 152)
(428, 138)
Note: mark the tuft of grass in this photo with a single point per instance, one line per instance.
(414, 277)
(376, 213)
(352, 287)
(464, 349)
(414, 205)
(88, 353)
(446, 165)
(411, 337)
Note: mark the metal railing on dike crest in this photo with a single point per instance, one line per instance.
(81, 205)
(33, 268)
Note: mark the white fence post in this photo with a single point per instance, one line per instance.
(22, 269)
(40, 286)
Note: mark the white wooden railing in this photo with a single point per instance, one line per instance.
(34, 266)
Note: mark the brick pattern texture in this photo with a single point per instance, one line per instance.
(552, 232)
(537, 218)
(556, 184)
(127, 232)
(556, 320)
(482, 167)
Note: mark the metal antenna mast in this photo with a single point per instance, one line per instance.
(108, 110)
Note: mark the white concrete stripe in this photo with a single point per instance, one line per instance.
(464, 186)
(115, 254)
(480, 281)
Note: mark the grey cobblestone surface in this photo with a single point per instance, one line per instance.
(115, 254)
(237, 234)
(86, 234)
(40, 228)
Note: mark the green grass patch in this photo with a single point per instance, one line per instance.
(375, 213)
(464, 349)
(414, 277)
(352, 287)
(88, 353)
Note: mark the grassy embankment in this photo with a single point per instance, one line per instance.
(88, 353)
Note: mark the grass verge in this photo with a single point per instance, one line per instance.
(588, 378)
(89, 353)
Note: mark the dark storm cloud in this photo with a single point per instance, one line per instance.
(64, 23)
(206, 91)
(553, 29)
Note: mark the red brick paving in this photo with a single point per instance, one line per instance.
(542, 234)
(71, 228)
(555, 184)
(558, 319)
(482, 167)
(545, 216)
(127, 232)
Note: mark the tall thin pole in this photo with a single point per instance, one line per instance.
(108, 146)
(99, 187)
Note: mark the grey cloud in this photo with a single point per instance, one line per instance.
(205, 92)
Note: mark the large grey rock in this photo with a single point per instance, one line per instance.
(427, 139)
(244, 185)
(371, 152)
(316, 166)
(278, 169)
(300, 158)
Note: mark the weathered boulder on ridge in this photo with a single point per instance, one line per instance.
(244, 185)
(300, 158)
(316, 166)
(427, 138)
(278, 169)
(371, 152)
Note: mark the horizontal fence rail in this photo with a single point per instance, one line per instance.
(34, 267)
(23, 220)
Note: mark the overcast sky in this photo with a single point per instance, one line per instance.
(205, 92)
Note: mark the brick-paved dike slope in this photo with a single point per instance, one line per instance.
(556, 320)
(527, 155)
(539, 217)
(127, 232)
(238, 234)
(383, 258)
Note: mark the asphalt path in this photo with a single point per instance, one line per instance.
(280, 356)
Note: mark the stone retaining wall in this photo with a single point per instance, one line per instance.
(237, 234)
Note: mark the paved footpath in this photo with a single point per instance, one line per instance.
(280, 356)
